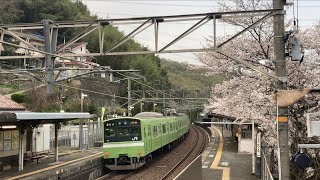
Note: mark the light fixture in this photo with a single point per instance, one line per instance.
(8, 127)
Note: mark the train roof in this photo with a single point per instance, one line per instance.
(145, 115)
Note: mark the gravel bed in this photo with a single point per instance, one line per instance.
(159, 166)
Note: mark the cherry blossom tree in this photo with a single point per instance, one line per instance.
(246, 94)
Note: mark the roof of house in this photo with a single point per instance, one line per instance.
(7, 104)
(74, 45)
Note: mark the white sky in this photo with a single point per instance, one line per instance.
(308, 13)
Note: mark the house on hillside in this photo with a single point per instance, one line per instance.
(80, 64)
(35, 40)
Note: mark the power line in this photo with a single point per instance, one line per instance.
(146, 85)
(95, 92)
(183, 5)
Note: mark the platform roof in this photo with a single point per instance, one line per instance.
(24, 118)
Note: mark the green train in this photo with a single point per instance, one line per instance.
(130, 141)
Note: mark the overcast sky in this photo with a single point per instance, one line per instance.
(308, 13)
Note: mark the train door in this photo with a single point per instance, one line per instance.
(160, 131)
(146, 145)
(149, 137)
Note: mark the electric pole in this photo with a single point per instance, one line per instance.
(48, 58)
(281, 72)
(129, 97)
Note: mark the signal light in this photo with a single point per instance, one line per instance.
(107, 153)
(139, 151)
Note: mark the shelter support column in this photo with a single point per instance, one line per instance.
(21, 132)
(56, 128)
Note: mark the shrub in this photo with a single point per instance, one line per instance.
(19, 98)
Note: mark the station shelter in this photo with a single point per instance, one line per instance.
(17, 126)
(244, 132)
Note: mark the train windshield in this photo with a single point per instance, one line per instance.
(122, 130)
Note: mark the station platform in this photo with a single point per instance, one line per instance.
(70, 163)
(221, 159)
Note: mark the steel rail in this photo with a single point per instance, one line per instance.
(187, 155)
(116, 175)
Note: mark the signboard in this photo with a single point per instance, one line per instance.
(259, 144)
(313, 124)
(7, 135)
(6, 140)
(7, 145)
(15, 139)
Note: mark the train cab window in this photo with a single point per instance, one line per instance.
(155, 131)
(164, 130)
(122, 130)
(109, 129)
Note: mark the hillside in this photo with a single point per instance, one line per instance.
(169, 74)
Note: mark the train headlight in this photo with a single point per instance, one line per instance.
(139, 152)
(107, 154)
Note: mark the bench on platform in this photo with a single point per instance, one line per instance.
(32, 156)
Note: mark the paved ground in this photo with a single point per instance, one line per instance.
(224, 162)
(45, 163)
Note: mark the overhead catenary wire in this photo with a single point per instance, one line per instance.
(161, 91)
(95, 92)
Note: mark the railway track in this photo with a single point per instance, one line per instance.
(200, 141)
(116, 175)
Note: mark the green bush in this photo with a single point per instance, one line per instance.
(19, 98)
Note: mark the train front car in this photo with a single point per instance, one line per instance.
(123, 145)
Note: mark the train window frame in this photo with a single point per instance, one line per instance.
(155, 131)
(171, 127)
(149, 131)
(164, 129)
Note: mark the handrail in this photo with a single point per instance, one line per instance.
(266, 173)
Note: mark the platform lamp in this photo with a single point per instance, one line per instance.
(82, 96)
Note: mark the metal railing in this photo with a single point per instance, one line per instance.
(69, 139)
(265, 170)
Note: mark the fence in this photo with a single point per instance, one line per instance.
(68, 136)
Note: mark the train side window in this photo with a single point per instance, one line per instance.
(171, 127)
(164, 130)
(149, 131)
(155, 131)
(180, 125)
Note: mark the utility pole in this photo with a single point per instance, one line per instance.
(142, 102)
(81, 122)
(281, 72)
(48, 58)
(129, 97)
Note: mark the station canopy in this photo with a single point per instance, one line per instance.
(36, 118)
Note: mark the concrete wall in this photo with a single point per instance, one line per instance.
(87, 169)
(40, 138)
